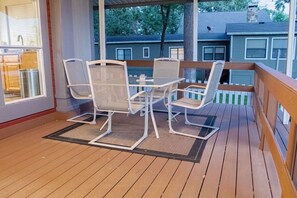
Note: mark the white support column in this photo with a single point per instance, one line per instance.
(290, 47)
(102, 29)
(195, 30)
(291, 35)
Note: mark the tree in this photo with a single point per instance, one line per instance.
(165, 12)
(280, 5)
(146, 20)
(279, 16)
(223, 6)
(122, 21)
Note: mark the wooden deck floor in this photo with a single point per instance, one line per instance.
(231, 165)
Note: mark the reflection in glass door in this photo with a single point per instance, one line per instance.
(20, 50)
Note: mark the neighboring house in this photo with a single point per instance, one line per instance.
(259, 42)
(232, 39)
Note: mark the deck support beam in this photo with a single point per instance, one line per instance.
(102, 29)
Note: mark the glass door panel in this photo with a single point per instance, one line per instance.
(20, 50)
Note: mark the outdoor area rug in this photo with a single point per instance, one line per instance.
(128, 128)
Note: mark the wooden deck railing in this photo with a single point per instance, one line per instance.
(271, 89)
(203, 65)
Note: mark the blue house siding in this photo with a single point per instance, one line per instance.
(239, 33)
(154, 48)
(238, 55)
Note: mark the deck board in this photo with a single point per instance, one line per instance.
(231, 165)
(210, 186)
(146, 179)
(260, 178)
(195, 180)
(244, 187)
(229, 171)
(58, 188)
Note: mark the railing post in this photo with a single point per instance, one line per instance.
(265, 108)
(182, 75)
(291, 152)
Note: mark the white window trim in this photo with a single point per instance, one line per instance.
(271, 50)
(32, 105)
(172, 47)
(123, 48)
(256, 38)
(148, 49)
(214, 47)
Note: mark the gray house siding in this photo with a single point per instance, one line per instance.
(238, 55)
(154, 48)
(202, 44)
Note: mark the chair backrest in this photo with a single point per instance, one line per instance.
(109, 85)
(77, 78)
(213, 81)
(166, 67)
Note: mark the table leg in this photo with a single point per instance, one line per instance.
(152, 114)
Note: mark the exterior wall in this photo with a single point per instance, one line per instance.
(155, 49)
(238, 55)
(137, 50)
(202, 44)
(72, 38)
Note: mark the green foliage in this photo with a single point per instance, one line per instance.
(146, 20)
(279, 16)
(223, 6)
(280, 5)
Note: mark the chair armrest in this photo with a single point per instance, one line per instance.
(196, 86)
(137, 94)
(78, 85)
(188, 91)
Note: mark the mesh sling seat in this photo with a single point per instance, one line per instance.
(165, 68)
(78, 83)
(110, 93)
(188, 103)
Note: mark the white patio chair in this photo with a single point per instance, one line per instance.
(165, 68)
(188, 103)
(110, 91)
(78, 83)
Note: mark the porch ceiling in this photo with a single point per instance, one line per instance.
(131, 3)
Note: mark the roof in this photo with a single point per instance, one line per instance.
(215, 22)
(157, 38)
(257, 28)
(143, 38)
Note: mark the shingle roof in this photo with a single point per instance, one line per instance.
(257, 28)
(217, 20)
(144, 38)
(157, 38)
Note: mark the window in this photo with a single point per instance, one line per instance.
(256, 48)
(145, 52)
(124, 53)
(214, 53)
(20, 50)
(25, 69)
(279, 48)
(176, 52)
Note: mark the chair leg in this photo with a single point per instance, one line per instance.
(93, 121)
(109, 130)
(187, 122)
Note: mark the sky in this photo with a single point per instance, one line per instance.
(270, 5)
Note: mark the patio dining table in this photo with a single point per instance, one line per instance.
(151, 84)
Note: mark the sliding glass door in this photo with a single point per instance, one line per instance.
(26, 86)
